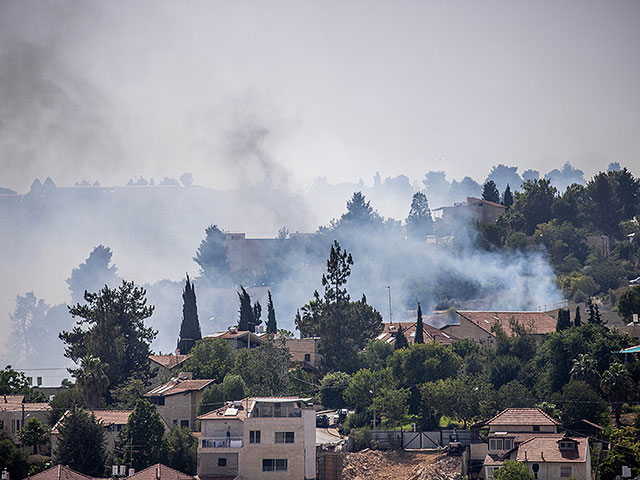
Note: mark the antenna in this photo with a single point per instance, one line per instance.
(390, 314)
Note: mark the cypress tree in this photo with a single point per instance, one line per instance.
(419, 338)
(246, 311)
(577, 321)
(272, 326)
(190, 327)
(592, 311)
(255, 319)
(564, 320)
(401, 340)
(507, 197)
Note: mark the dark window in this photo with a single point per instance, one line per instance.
(275, 465)
(285, 437)
(307, 357)
(536, 428)
(222, 462)
(254, 436)
(277, 410)
(1, 424)
(157, 400)
(184, 423)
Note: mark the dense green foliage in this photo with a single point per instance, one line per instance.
(182, 447)
(512, 470)
(14, 460)
(81, 443)
(34, 434)
(142, 442)
(190, 331)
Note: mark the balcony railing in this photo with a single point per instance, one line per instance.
(221, 442)
(268, 411)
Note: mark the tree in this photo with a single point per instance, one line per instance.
(190, 331)
(182, 447)
(332, 388)
(564, 320)
(420, 363)
(513, 395)
(535, 203)
(338, 271)
(358, 394)
(14, 460)
(628, 191)
(419, 338)
(144, 435)
(264, 369)
(490, 192)
(212, 256)
(579, 401)
(359, 213)
(512, 470)
(234, 388)
(629, 303)
(375, 355)
(577, 320)
(272, 326)
(111, 327)
(507, 197)
(12, 381)
(186, 179)
(624, 450)
(81, 443)
(67, 399)
(212, 398)
(594, 312)
(392, 404)
(616, 383)
(605, 211)
(92, 379)
(401, 340)
(34, 434)
(584, 368)
(249, 314)
(419, 221)
(210, 359)
(93, 274)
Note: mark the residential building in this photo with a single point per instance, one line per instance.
(474, 209)
(238, 338)
(177, 400)
(259, 438)
(165, 365)
(430, 333)
(529, 436)
(15, 413)
(479, 325)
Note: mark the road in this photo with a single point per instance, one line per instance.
(323, 437)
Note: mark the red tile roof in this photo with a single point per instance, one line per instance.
(159, 472)
(105, 417)
(430, 333)
(522, 416)
(545, 448)
(540, 323)
(60, 472)
(178, 385)
(14, 403)
(168, 361)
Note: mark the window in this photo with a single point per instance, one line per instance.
(307, 357)
(275, 465)
(567, 445)
(175, 422)
(157, 400)
(285, 437)
(184, 423)
(1, 424)
(491, 471)
(277, 410)
(565, 472)
(254, 436)
(495, 444)
(222, 462)
(536, 428)
(508, 444)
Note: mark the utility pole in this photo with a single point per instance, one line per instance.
(373, 392)
(390, 314)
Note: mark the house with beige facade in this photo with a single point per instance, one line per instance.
(479, 325)
(177, 400)
(259, 438)
(529, 436)
(15, 413)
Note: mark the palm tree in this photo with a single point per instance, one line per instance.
(584, 368)
(92, 380)
(616, 383)
(33, 434)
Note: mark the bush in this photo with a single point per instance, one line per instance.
(357, 420)
(361, 438)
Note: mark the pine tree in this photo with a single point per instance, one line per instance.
(490, 192)
(507, 197)
(81, 443)
(272, 326)
(564, 320)
(419, 221)
(190, 327)
(419, 327)
(246, 311)
(401, 340)
(577, 321)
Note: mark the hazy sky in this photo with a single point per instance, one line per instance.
(231, 90)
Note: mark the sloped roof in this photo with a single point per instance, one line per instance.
(168, 361)
(60, 472)
(522, 416)
(430, 333)
(545, 448)
(635, 349)
(540, 323)
(178, 385)
(231, 334)
(8, 402)
(15, 403)
(112, 417)
(160, 472)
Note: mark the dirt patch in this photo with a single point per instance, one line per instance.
(392, 465)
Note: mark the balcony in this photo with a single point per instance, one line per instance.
(275, 411)
(221, 442)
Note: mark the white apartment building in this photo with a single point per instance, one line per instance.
(259, 438)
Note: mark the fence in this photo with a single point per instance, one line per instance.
(419, 440)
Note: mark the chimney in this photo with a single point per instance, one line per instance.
(114, 470)
(158, 475)
(635, 318)
(132, 471)
(123, 470)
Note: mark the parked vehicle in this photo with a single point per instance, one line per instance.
(322, 421)
(340, 416)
